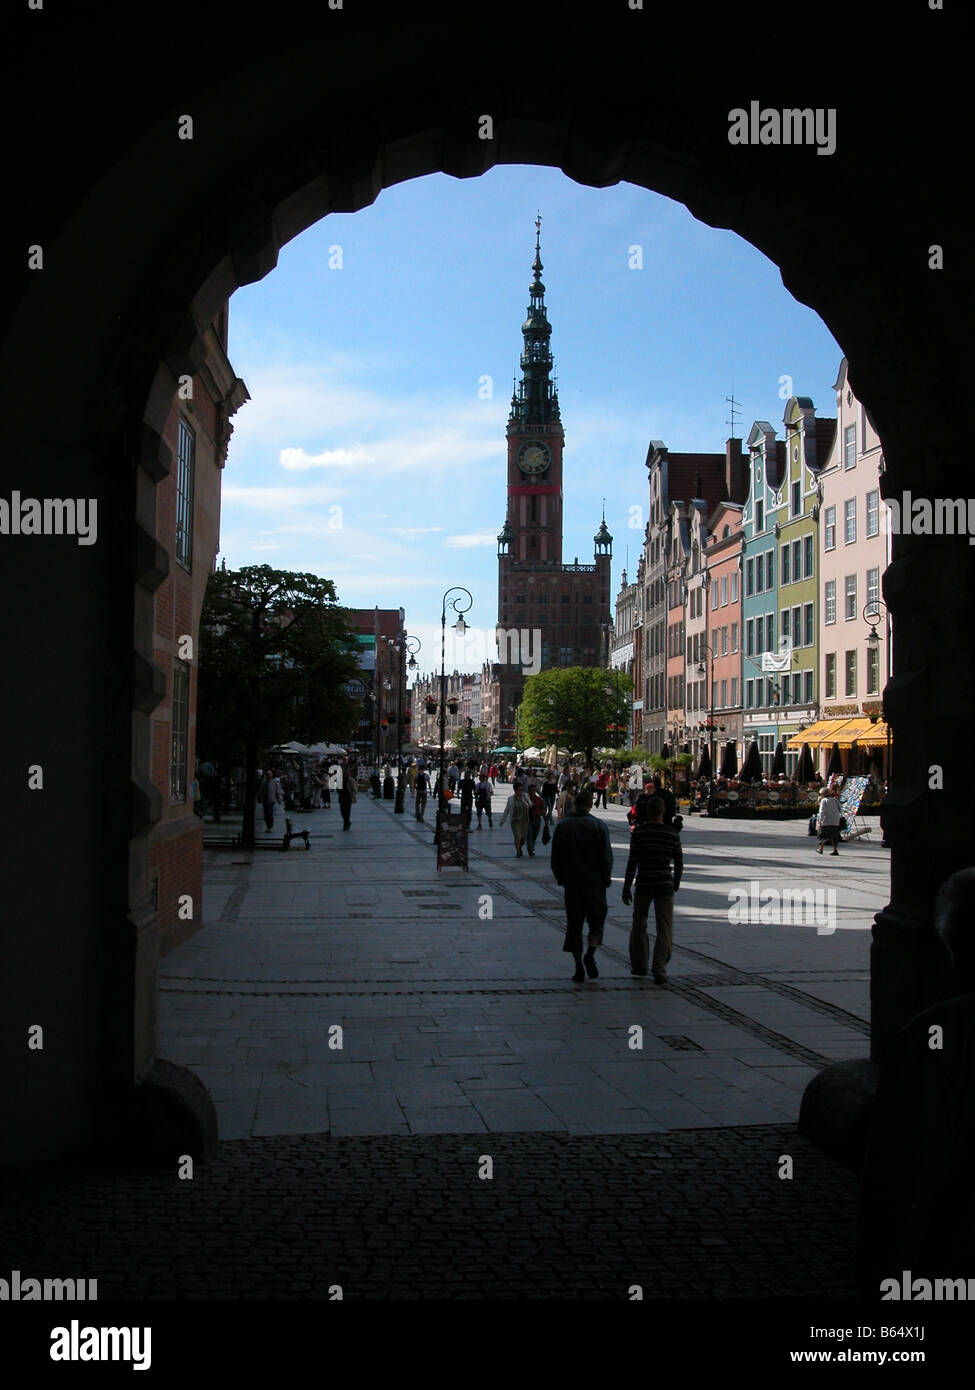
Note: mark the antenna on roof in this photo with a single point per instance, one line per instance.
(735, 406)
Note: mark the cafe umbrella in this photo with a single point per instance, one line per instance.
(729, 760)
(752, 768)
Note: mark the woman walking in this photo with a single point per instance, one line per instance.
(828, 821)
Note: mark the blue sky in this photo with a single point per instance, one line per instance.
(369, 453)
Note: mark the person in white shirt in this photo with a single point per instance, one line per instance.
(828, 821)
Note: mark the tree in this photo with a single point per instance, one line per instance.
(575, 705)
(275, 653)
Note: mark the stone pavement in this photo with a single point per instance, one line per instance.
(695, 1214)
(453, 996)
(485, 1131)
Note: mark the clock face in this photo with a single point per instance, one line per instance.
(534, 457)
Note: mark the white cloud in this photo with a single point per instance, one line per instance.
(410, 533)
(296, 460)
(474, 538)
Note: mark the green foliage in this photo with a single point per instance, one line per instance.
(275, 652)
(581, 704)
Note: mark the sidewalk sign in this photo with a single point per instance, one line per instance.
(451, 840)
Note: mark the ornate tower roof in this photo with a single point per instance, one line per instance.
(535, 399)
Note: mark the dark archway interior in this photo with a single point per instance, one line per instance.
(145, 235)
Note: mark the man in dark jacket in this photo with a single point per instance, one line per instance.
(654, 847)
(582, 862)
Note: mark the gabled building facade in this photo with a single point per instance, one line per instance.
(855, 552)
(766, 469)
(796, 529)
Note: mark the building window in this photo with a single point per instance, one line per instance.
(797, 627)
(851, 675)
(796, 561)
(808, 625)
(873, 513)
(724, 641)
(850, 446)
(749, 692)
(850, 597)
(770, 630)
(724, 694)
(179, 731)
(750, 638)
(850, 520)
(186, 463)
(796, 491)
(734, 637)
(724, 591)
(714, 598)
(830, 524)
(830, 676)
(873, 671)
(734, 692)
(873, 589)
(734, 586)
(830, 604)
(770, 569)
(759, 515)
(809, 560)
(786, 623)
(785, 568)
(749, 578)
(807, 682)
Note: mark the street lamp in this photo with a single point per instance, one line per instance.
(460, 627)
(411, 645)
(872, 614)
(702, 670)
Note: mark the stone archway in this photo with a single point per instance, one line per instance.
(153, 233)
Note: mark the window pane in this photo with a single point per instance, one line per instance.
(851, 596)
(809, 560)
(850, 520)
(849, 446)
(179, 730)
(186, 451)
(873, 513)
(830, 615)
(830, 523)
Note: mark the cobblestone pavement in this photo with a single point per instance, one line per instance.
(453, 996)
(695, 1214)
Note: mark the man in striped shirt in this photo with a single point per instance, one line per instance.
(654, 848)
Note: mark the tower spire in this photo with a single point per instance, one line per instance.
(536, 400)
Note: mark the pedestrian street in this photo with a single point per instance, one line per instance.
(454, 998)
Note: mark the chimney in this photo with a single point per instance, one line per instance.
(735, 472)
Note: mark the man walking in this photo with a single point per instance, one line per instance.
(420, 792)
(482, 800)
(654, 848)
(582, 862)
(519, 813)
(347, 794)
(465, 789)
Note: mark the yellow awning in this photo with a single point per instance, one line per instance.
(853, 732)
(822, 732)
(874, 736)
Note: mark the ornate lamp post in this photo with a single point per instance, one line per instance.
(460, 608)
(703, 670)
(875, 611)
(411, 645)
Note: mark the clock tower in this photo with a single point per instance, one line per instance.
(535, 439)
(549, 613)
